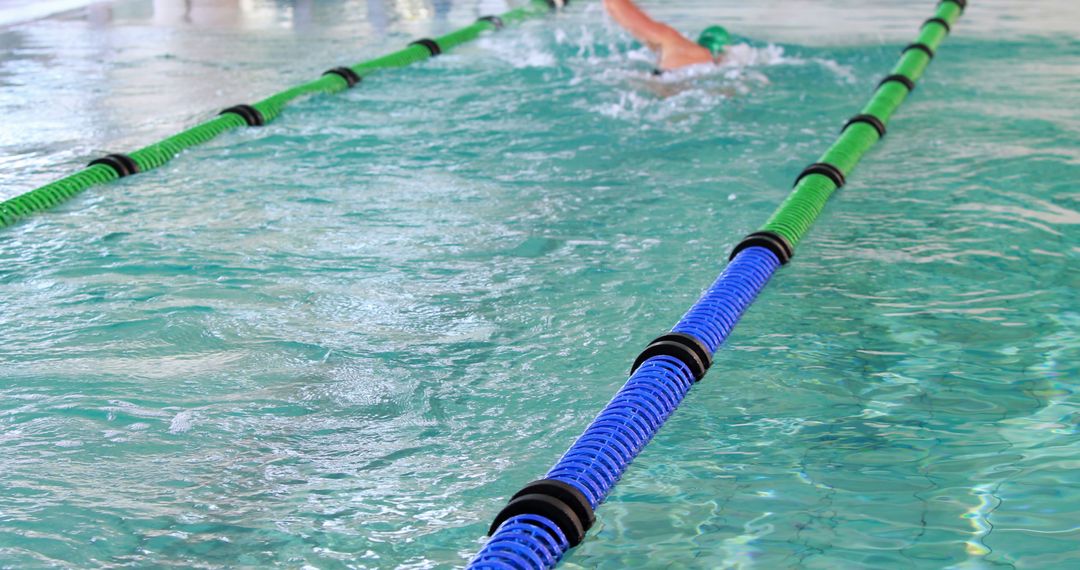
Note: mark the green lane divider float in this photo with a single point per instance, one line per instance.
(114, 166)
(818, 182)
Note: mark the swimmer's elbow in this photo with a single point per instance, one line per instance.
(633, 20)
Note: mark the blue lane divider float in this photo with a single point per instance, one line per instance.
(550, 516)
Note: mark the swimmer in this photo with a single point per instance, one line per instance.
(676, 50)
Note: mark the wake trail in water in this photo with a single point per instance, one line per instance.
(602, 60)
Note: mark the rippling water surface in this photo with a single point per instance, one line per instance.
(343, 339)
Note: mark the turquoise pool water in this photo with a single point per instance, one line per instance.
(342, 340)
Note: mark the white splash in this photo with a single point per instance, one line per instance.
(181, 423)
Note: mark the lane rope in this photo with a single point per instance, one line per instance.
(116, 165)
(552, 515)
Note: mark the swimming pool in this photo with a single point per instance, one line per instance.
(344, 339)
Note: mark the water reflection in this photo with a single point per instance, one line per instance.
(298, 14)
(190, 12)
(239, 14)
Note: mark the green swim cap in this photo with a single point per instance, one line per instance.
(714, 38)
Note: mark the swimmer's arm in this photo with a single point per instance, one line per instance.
(653, 34)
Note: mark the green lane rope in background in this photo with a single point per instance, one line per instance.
(795, 215)
(157, 154)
